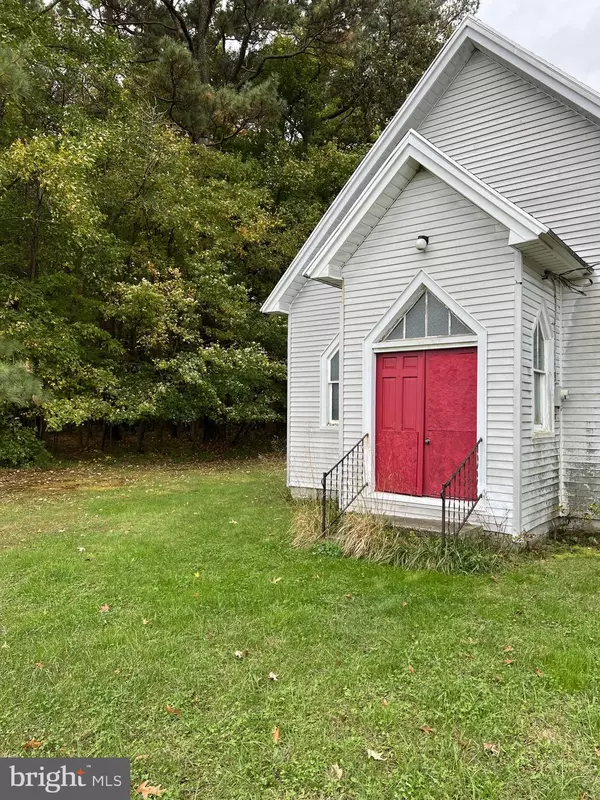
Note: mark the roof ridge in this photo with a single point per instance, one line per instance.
(470, 35)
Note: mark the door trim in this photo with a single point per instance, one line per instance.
(372, 345)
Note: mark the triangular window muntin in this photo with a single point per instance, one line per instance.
(428, 317)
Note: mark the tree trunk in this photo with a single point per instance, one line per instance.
(35, 231)
(141, 429)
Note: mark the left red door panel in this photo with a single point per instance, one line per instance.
(400, 422)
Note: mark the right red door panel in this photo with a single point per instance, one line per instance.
(426, 419)
(450, 416)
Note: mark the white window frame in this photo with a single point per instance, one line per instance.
(326, 384)
(546, 426)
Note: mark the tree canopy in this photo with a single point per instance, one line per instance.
(162, 162)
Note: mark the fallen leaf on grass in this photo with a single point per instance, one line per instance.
(597, 751)
(495, 578)
(275, 580)
(172, 710)
(335, 771)
(233, 521)
(426, 729)
(490, 747)
(33, 744)
(273, 676)
(197, 574)
(240, 654)
(385, 703)
(508, 648)
(411, 669)
(145, 621)
(375, 756)
(118, 671)
(276, 735)
(539, 673)
(404, 604)
(104, 608)
(39, 665)
(348, 596)
(498, 678)
(143, 757)
(149, 791)
(508, 661)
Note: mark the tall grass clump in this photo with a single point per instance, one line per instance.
(373, 538)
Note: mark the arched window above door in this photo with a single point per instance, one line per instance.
(428, 316)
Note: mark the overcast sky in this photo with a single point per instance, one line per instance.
(564, 32)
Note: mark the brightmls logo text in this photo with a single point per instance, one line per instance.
(68, 778)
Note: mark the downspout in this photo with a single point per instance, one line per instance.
(518, 395)
(559, 349)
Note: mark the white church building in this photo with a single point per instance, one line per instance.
(445, 312)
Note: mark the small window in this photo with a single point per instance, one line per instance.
(541, 381)
(333, 389)
(428, 317)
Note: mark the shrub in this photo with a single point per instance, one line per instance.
(20, 446)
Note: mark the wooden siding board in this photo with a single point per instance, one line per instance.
(545, 157)
(314, 323)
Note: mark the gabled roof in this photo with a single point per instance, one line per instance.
(413, 152)
(470, 35)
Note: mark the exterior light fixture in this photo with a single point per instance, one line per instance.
(421, 242)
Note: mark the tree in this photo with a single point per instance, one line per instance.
(307, 71)
(162, 162)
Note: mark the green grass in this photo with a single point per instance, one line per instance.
(340, 634)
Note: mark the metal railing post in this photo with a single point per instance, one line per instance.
(324, 504)
(443, 494)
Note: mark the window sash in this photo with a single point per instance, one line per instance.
(539, 398)
(334, 402)
(542, 401)
(333, 389)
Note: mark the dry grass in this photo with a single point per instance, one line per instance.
(365, 536)
(306, 523)
(371, 537)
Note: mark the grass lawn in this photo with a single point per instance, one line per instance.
(196, 563)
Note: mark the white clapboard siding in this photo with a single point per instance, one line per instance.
(540, 469)
(314, 321)
(545, 157)
(468, 255)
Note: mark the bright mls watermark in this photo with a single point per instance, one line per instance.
(67, 778)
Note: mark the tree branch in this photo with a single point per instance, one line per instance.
(178, 17)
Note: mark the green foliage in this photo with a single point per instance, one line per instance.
(20, 446)
(161, 166)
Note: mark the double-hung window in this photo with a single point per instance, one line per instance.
(542, 385)
(333, 388)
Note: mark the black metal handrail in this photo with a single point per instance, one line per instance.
(460, 495)
(342, 484)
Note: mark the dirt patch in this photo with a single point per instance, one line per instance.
(105, 474)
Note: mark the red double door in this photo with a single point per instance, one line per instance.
(426, 418)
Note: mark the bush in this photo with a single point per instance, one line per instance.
(20, 446)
